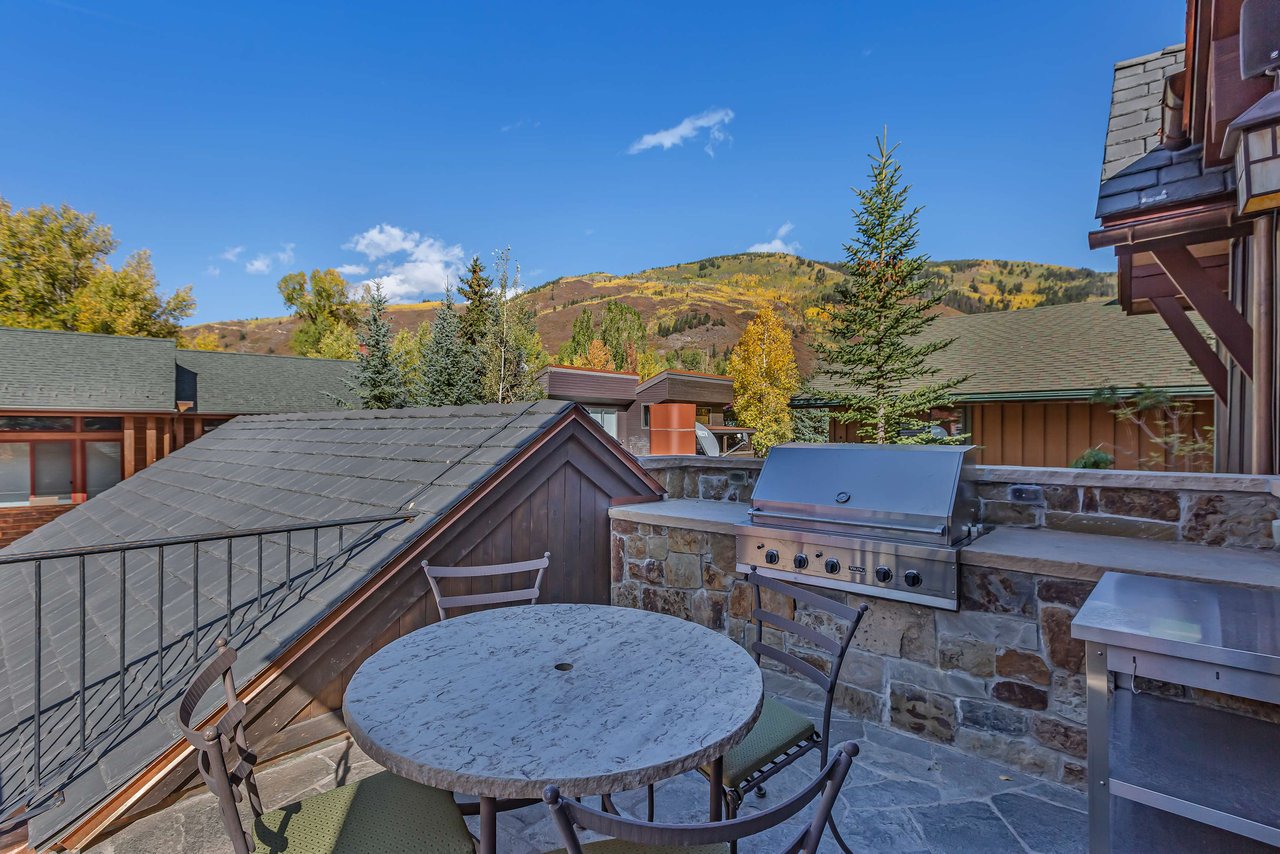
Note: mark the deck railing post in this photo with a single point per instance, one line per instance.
(288, 559)
(160, 617)
(230, 604)
(315, 550)
(195, 604)
(84, 683)
(35, 715)
(123, 660)
(259, 573)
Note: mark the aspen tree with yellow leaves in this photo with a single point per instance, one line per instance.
(765, 378)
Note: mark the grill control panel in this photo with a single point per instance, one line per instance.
(925, 575)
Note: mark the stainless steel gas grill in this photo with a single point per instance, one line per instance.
(880, 520)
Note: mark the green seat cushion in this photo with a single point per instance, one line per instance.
(778, 729)
(617, 846)
(383, 813)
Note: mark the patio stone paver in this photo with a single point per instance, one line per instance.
(904, 795)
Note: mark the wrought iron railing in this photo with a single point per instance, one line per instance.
(266, 570)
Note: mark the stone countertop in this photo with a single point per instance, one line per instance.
(592, 698)
(1062, 554)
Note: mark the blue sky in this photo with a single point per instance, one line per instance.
(240, 141)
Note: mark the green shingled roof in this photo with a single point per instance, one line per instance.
(74, 371)
(43, 369)
(1059, 352)
(251, 383)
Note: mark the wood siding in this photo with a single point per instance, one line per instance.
(1054, 434)
(557, 500)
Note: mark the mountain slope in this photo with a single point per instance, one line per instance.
(706, 304)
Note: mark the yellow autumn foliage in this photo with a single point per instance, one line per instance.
(765, 378)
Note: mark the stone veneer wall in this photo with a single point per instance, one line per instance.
(1002, 678)
(1217, 510)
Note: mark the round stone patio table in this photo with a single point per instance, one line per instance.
(592, 698)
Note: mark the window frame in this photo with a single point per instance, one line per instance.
(76, 437)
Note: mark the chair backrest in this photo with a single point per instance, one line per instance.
(824, 646)
(224, 758)
(497, 597)
(567, 813)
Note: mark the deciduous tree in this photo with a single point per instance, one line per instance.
(321, 302)
(765, 377)
(206, 340)
(622, 330)
(511, 349)
(54, 275)
(885, 382)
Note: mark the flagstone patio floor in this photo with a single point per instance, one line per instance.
(904, 794)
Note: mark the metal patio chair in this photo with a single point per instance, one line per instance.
(497, 597)
(633, 836)
(378, 814)
(782, 735)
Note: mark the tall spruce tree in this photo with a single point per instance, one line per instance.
(477, 290)
(511, 351)
(450, 367)
(872, 350)
(379, 379)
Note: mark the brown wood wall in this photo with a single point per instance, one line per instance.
(1056, 433)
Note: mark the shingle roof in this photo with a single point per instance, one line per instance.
(1058, 352)
(235, 383)
(72, 370)
(1138, 173)
(1137, 87)
(57, 370)
(256, 471)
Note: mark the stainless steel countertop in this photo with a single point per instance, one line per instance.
(1215, 623)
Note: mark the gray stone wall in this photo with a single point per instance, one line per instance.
(1000, 679)
(1213, 510)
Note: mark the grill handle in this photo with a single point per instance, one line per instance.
(937, 530)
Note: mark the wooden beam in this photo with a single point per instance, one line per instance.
(151, 440)
(130, 446)
(1228, 325)
(1149, 281)
(1200, 351)
(1262, 286)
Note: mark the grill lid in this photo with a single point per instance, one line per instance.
(915, 492)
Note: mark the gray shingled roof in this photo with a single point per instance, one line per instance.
(236, 383)
(72, 370)
(1058, 352)
(1134, 126)
(253, 472)
(1138, 174)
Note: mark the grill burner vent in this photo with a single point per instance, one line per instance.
(880, 520)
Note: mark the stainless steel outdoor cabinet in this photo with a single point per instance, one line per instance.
(1163, 773)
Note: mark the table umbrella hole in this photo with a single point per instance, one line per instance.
(564, 667)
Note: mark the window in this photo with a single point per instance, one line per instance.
(644, 416)
(15, 473)
(94, 424)
(102, 466)
(702, 415)
(37, 423)
(606, 417)
(52, 471)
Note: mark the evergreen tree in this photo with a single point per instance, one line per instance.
(511, 350)
(450, 367)
(584, 332)
(621, 330)
(885, 301)
(379, 378)
(477, 290)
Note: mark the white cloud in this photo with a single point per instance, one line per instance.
(778, 244)
(714, 121)
(263, 262)
(411, 265)
(213, 271)
(260, 264)
(231, 253)
(353, 269)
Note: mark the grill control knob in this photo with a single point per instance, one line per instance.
(833, 566)
(771, 556)
(884, 574)
(801, 561)
(913, 578)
